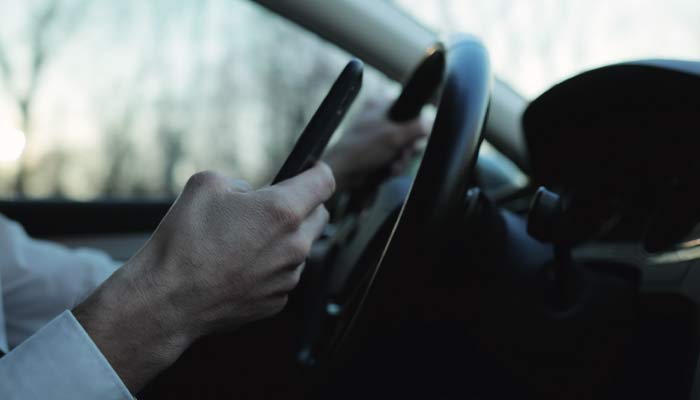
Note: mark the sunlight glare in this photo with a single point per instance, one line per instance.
(12, 143)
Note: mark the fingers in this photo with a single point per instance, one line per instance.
(414, 129)
(304, 192)
(296, 246)
(400, 165)
(426, 121)
(379, 102)
(312, 228)
(402, 135)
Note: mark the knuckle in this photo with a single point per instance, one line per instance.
(393, 139)
(279, 304)
(298, 250)
(283, 213)
(328, 181)
(203, 179)
(325, 215)
(296, 276)
(292, 282)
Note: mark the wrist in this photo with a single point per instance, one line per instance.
(133, 325)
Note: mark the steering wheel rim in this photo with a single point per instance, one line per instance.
(438, 190)
(435, 200)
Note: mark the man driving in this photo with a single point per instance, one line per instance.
(74, 324)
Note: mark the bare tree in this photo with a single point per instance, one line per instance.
(43, 24)
(172, 137)
(291, 95)
(131, 104)
(117, 125)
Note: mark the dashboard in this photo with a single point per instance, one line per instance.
(621, 144)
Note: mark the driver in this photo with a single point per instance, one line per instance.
(76, 325)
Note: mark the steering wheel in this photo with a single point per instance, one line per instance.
(409, 268)
(391, 255)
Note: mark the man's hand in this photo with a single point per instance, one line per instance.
(373, 143)
(224, 255)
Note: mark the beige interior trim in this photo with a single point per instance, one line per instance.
(373, 30)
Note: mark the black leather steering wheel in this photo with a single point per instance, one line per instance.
(436, 198)
(438, 191)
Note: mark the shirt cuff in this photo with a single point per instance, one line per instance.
(59, 362)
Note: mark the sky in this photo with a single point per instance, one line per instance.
(536, 43)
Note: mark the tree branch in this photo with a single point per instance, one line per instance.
(5, 67)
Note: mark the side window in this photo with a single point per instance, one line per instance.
(129, 98)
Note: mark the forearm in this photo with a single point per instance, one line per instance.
(132, 322)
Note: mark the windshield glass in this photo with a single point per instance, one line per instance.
(127, 99)
(534, 44)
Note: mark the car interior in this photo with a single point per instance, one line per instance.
(543, 248)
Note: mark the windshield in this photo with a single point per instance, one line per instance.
(534, 44)
(127, 99)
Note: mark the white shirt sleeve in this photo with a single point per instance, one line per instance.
(39, 281)
(59, 362)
